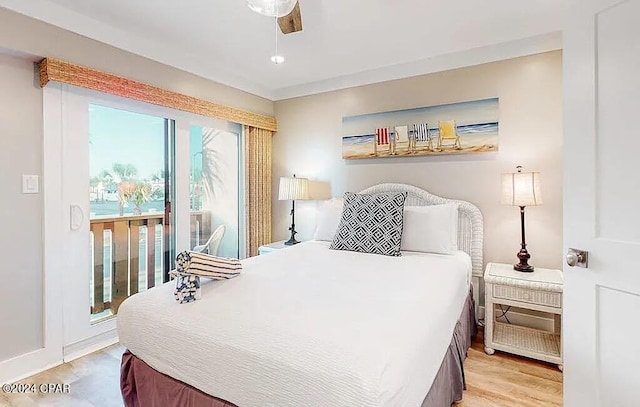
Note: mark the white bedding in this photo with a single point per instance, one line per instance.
(307, 326)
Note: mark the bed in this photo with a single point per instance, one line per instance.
(310, 326)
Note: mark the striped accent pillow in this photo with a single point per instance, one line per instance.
(206, 265)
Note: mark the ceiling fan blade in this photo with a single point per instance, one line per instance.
(292, 22)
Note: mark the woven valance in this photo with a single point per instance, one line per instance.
(60, 71)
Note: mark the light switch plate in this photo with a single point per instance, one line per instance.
(30, 184)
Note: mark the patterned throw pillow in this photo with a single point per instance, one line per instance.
(371, 223)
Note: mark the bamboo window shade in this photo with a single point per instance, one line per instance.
(55, 70)
(258, 181)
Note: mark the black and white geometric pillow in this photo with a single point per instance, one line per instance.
(371, 223)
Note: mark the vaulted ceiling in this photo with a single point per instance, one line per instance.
(344, 42)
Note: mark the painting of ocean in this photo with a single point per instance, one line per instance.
(467, 127)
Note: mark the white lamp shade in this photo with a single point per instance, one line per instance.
(293, 188)
(272, 8)
(521, 189)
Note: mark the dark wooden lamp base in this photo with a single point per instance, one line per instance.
(523, 265)
(523, 254)
(292, 240)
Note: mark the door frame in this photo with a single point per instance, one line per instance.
(51, 352)
(55, 223)
(239, 130)
(81, 339)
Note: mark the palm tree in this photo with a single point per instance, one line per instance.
(106, 177)
(126, 174)
(158, 176)
(140, 195)
(94, 181)
(105, 180)
(125, 192)
(213, 171)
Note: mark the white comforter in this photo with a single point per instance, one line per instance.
(307, 326)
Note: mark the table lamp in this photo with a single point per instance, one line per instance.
(293, 189)
(522, 189)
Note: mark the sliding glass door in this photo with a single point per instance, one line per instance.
(118, 183)
(139, 183)
(215, 190)
(130, 170)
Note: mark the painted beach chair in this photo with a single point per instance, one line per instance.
(448, 131)
(421, 133)
(382, 138)
(402, 135)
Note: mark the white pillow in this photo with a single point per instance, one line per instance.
(430, 229)
(329, 217)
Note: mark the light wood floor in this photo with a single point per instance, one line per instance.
(492, 381)
(507, 380)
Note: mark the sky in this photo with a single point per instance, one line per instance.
(125, 137)
(195, 148)
(133, 138)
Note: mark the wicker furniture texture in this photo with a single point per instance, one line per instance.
(470, 226)
(539, 291)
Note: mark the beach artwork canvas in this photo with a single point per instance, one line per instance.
(459, 128)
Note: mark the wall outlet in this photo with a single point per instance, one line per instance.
(30, 184)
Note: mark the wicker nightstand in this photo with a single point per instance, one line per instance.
(540, 291)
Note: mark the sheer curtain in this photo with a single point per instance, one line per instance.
(258, 182)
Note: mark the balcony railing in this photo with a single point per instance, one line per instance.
(128, 256)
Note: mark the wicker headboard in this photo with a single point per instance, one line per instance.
(470, 226)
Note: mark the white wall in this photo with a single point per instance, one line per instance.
(530, 91)
(20, 214)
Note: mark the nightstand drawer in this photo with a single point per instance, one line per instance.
(550, 299)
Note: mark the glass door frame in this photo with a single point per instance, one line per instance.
(133, 226)
(78, 328)
(182, 212)
(237, 129)
(63, 104)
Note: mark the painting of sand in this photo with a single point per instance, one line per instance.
(474, 129)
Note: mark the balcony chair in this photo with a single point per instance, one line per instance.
(212, 245)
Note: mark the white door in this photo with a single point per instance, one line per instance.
(601, 202)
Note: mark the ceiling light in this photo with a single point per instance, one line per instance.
(277, 59)
(272, 8)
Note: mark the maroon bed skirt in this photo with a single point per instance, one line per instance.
(143, 386)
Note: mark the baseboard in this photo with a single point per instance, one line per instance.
(29, 364)
(33, 372)
(90, 345)
(520, 318)
(32, 363)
